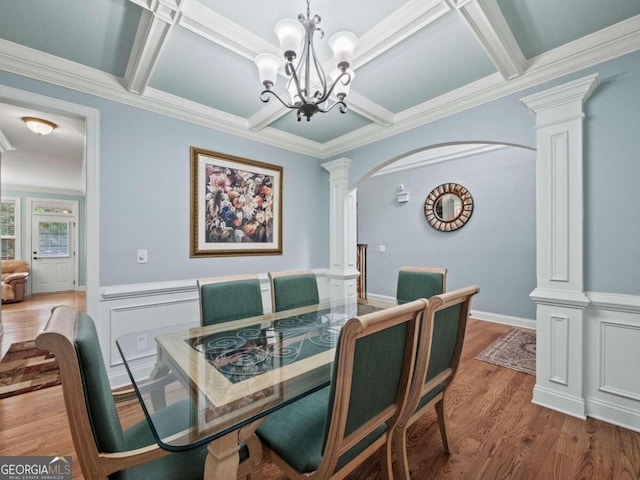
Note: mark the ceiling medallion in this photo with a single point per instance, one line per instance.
(309, 88)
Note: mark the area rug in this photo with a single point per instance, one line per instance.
(26, 368)
(516, 349)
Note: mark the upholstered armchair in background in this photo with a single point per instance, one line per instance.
(14, 280)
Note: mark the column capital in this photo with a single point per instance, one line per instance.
(341, 165)
(561, 103)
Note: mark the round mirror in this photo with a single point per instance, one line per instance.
(448, 207)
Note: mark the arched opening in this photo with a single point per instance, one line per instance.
(495, 249)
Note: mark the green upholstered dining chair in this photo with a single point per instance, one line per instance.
(293, 289)
(327, 434)
(223, 299)
(441, 338)
(420, 282)
(104, 449)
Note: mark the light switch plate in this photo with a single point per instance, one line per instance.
(142, 256)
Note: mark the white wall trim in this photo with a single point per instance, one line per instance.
(504, 319)
(613, 413)
(606, 44)
(92, 170)
(615, 302)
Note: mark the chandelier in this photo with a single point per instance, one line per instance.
(308, 87)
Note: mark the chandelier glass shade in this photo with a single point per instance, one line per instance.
(39, 125)
(309, 89)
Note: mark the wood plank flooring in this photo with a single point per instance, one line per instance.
(495, 432)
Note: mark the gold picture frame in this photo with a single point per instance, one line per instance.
(236, 205)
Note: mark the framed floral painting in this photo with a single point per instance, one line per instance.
(236, 205)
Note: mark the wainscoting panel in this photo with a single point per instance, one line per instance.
(559, 328)
(612, 360)
(154, 308)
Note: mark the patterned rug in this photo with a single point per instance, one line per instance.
(26, 368)
(516, 349)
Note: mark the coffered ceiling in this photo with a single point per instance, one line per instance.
(416, 60)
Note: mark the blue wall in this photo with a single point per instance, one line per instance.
(144, 194)
(144, 183)
(612, 169)
(25, 217)
(495, 249)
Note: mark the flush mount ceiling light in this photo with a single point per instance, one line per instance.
(39, 126)
(309, 88)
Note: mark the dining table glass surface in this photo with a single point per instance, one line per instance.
(216, 379)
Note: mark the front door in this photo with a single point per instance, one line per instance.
(52, 265)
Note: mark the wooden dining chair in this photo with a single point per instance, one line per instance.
(327, 434)
(442, 333)
(293, 289)
(223, 299)
(104, 449)
(420, 282)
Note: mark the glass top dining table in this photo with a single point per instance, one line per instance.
(221, 378)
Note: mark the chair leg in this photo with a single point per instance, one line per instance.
(398, 449)
(441, 423)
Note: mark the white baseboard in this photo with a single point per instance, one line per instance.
(504, 319)
(478, 315)
(615, 414)
(566, 404)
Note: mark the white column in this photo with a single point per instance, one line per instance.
(343, 273)
(559, 294)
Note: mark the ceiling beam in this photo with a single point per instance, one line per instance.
(222, 31)
(404, 22)
(485, 19)
(156, 21)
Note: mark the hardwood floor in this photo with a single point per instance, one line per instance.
(495, 432)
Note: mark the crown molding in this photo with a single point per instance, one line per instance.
(31, 63)
(607, 44)
(598, 47)
(443, 154)
(151, 37)
(488, 24)
(407, 20)
(52, 190)
(5, 145)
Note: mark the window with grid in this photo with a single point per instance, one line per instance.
(54, 239)
(10, 228)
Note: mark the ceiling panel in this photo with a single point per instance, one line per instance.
(209, 74)
(95, 33)
(424, 66)
(410, 52)
(542, 25)
(260, 17)
(322, 127)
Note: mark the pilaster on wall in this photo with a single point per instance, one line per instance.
(343, 273)
(559, 294)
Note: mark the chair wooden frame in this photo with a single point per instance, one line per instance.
(58, 338)
(206, 281)
(420, 387)
(286, 273)
(337, 443)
